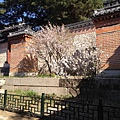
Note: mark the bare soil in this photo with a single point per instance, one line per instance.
(5, 115)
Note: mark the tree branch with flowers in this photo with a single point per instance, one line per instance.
(63, 54)
(50, 45)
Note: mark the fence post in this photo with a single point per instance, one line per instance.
(5, 99)
(100, 110)
(42, 104)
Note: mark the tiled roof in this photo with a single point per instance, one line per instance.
(10, 28)
(23, 30)
(15, 28)
(106, 10)
(20, 33)
(80, 24)
(3, 40)
(15, 31)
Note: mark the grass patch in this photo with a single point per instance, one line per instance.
(30, 93)
(61, 97)
(46, 75)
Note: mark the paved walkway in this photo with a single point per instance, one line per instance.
(5, 115)
(3, 118)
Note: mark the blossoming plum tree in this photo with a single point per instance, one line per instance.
(84, 62)
(57, 48)
(50, 45)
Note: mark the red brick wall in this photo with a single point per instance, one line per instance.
(18, 57)
(17, 52)
(108, 38)
(20, 62)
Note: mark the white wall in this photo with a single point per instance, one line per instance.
(3, 53)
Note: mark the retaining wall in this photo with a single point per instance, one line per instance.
(39, 85)
(60, 86)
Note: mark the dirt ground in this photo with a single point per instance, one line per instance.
(5, 115)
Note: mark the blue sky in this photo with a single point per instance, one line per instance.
(1, 0)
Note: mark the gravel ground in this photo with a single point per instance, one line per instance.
(5, 115)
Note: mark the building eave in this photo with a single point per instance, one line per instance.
(106, 11)
(20, 33)
(80, 24)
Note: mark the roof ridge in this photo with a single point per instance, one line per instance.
(80, 24)
(106, 10)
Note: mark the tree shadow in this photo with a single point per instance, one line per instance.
(28, 65)
(90, 90)
(5, 69)
(103, 87)
(86, 92)
(81, 90)
(114, 60)
(20, 116)
(113, 65)
(85, 105)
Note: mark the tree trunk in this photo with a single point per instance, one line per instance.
(49, 68)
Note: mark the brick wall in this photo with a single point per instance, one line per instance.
(106, 33)
(17, 54)
(108, 38)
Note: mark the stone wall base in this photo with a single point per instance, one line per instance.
(39, 85)
(110, 73)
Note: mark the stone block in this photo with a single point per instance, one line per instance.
(8, 87)
(2, 91)
(50, 90)
(33, 81)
